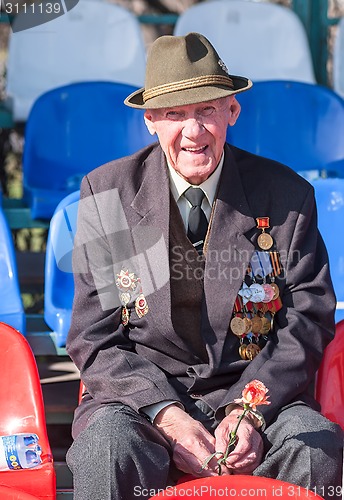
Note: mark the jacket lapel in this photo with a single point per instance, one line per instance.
(228, 254)
(152, 232)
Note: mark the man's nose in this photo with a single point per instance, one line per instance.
(193, 127)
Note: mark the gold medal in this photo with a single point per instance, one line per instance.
(242, 351)
(252, 350)
(276, 291)
(256, 324)
(266, 325)
(248, 324)
(238, 326)
(264, 240)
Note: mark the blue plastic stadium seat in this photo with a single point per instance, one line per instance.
(338, 58)
(299, 124)
(72, 130)
(59, 283)
(94, 40)
(271, 40)
(11, 306)
(329, 194)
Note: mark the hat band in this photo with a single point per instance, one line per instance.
(187, 84)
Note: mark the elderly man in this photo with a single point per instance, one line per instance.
(198, 269)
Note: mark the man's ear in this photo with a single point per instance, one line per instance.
(149, 123)
(235, 109)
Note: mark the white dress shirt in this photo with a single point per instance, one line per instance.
(179, 185)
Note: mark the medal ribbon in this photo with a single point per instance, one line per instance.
(263, 223)
(276, 263)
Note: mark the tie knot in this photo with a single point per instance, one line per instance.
(194, 196)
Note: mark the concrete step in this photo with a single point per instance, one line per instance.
(64, 495)
(64, 479)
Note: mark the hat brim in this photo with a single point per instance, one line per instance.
(188, 96)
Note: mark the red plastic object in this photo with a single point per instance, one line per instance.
(82, 389)
(11, 494)
(330, 379)
(22, 410)
(236, 487)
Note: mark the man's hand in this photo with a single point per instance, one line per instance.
(248, 452)
(191, 442)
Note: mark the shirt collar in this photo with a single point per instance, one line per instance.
(179, 185)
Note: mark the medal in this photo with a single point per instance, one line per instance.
(124, 298)
(256, 324)
(264, 240)
(242, 351)
(266, 325)
(141, 306)
(252, 350)
(269, 292)
(276, 291)
(258, 293)
(126, 281)
(246, 293)
(125, 316)
(248, 324)
(238, 326)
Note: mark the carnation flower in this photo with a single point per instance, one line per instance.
(253, 395)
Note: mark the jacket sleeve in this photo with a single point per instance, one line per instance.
(287, 365)
(97, 342)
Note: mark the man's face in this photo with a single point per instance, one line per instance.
(192, 136)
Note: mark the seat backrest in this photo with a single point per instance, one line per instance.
(329, 385)
(237, 486)
(93, 41)
(299, 124)
(258, 40)
(329, 195)
(21, 400)
(11, 306)
(72, 130)
(338, 59)
(22, 411)
(7, 493)
(58, 280)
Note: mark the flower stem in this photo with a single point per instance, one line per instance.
(232, 440)
(233, 435)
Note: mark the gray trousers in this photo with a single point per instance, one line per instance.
(121, 456)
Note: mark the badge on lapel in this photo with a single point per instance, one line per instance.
(130, 290)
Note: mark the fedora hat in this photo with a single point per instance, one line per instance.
(184, 70)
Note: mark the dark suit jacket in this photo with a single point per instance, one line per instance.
(123, 223)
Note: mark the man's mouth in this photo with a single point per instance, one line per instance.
(195, 150)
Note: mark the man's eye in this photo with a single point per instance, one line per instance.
(174, 115)
(207, 111)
